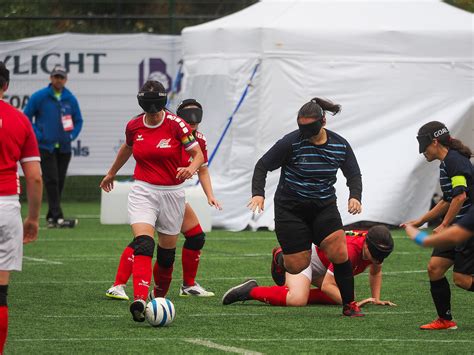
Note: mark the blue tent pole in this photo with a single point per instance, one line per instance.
(229, 120)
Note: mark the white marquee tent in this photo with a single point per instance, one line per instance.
(392, 65)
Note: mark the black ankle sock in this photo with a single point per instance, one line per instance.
(441, 294)
(3, 295)
(345, 281)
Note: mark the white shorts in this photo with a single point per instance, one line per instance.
(160, 206)
(316, 267)
(11, 234)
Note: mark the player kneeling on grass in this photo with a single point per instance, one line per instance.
(364, 249)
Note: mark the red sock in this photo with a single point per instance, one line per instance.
(125, 267)
(141, 271)
(190, 262)
(190, 257)
(316, 296)
(274, 295)
(162, 277)
(3, 326)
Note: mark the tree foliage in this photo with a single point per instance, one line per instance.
(28, 18)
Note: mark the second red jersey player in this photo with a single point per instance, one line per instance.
(367, 249)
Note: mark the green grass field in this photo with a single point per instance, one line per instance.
(57, 304)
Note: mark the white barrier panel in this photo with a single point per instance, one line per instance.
(113, 205)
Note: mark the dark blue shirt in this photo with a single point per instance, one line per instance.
(308, 170)
(456, 164)
(467, 222)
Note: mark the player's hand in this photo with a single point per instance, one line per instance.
(372, 300)
(414, 223)
(184, 173)
(383, 303)
(107, 183)
(354, 206)
(213, 202)
(439, 228)
(411, 231)
(30, 230)
(256, 204)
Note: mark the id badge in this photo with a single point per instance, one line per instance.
(68, 124)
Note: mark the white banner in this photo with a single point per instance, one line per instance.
(105, 74)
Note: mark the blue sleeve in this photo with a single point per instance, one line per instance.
(457, 165)
(351, 171)
(76, 118)
(30, 111)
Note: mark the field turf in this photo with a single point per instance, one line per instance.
(57, 304)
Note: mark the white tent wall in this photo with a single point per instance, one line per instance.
(392, 65)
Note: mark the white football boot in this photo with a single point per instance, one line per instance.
(196, 290)
(117, 292)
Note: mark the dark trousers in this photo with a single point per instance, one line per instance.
(54, 167)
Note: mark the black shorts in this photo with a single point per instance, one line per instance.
(462, 256)
(298, 223)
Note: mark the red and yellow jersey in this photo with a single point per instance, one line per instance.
(17, 144)
(201, 139)
(158, 149)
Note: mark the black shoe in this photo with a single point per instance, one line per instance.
(239, 293)
(51, 223)
(278, 271)
(66, 223)
(137, 308)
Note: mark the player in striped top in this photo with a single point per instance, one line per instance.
(156, 200)
(365, 249)
(17, 144)
(305, 201)
(457, 184)
(191, 111)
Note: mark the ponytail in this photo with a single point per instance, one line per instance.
(456, 144)
(327, 105)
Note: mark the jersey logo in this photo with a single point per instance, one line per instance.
(139, 138)
(164, 143)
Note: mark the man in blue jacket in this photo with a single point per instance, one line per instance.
(57, 120)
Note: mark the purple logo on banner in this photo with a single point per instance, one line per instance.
(153, 69)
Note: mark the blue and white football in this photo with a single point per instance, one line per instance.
(160, 312)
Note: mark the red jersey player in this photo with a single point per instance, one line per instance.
(191, 111)
(17, 144)
(156, 200)
(364, 249)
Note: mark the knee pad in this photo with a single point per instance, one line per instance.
(145, 245)
(133, 244)
(3, 295)
(196, 242)
(165, 257)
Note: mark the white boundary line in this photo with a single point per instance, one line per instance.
(256, 340)
(227, 349)
(29, 258)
